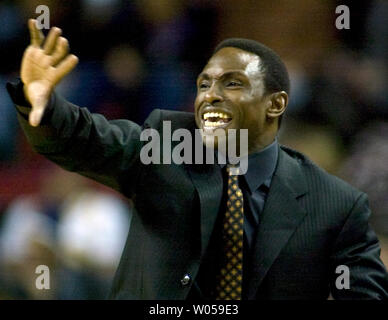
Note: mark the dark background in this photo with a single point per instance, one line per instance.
(144, 54)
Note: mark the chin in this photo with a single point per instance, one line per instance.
(216, 140)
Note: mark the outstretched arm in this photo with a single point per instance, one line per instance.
(72, 137)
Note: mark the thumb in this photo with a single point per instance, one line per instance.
(35, 116)
(38, 94)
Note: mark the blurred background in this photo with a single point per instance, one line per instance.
(137, 55)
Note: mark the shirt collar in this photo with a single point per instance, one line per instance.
(261, 166)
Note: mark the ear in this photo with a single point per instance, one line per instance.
(277, 104)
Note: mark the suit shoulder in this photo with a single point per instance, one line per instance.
(320, 180)
(178, 119)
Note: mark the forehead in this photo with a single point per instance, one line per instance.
(233, 59)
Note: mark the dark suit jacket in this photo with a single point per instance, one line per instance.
(312, 221)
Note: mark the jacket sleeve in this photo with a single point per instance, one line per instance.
(79, 141)
(357, 270)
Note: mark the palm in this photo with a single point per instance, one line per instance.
(33, 69)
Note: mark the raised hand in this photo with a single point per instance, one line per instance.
(44, 64)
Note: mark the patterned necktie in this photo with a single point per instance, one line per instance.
(229, 279)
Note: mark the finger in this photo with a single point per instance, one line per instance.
(36, 35)
(64, 67)
(60, 51)
(35, 116)
(51, 40)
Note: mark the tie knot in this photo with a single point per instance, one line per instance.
(233, 169)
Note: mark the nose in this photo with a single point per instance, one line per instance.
(213, 95)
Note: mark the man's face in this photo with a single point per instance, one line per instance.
(230, 95)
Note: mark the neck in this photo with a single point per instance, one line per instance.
(260, 143)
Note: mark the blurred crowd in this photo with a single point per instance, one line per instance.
(137, 55)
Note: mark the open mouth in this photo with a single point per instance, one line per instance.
(212, 120)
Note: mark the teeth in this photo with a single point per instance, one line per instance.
(214, 123)
(215, 114)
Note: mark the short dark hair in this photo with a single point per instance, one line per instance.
(276, 76)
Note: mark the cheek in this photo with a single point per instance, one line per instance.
(254, 116)
(197, 103)
(196, 109)
(249, 107)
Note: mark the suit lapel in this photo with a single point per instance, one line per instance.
(281, 216)
(208, 182)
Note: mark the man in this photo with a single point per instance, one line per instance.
(298, 226)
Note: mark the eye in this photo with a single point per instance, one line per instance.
(234, 84)
(203, 85)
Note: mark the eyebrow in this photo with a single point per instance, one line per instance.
(224, 75)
